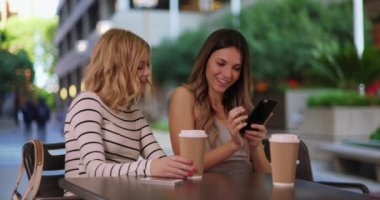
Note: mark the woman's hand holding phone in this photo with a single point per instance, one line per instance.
(260, 114)
(252, 127)
(256, 135)
(236, 121)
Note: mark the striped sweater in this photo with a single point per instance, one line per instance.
(102, 142)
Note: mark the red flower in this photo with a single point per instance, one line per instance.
(293, 83)
(373, 88)
(261, 87)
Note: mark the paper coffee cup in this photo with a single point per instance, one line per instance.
(284, 153)
(192, 147)
(282, 193)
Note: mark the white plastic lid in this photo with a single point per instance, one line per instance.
(284, 137)
(193, 133)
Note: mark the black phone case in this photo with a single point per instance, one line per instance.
(260, 113)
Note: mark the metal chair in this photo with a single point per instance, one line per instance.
(53, 169)
(304, 170)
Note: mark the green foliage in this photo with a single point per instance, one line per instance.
(27, 33)
(342, 98)
(375, 135)
(48, 96)
(23, 33)
(8, 64)
(50, 53)
(162, 125)
(4, 39)
(344, 68)
(285, 35)
(278, 49)
(21, 42)
(12, 68)
(286, 39)
(173, 60)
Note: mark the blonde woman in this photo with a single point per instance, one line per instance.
(105, 132)
(217, 98)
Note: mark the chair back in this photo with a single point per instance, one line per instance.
(303, 170)
(53, 169)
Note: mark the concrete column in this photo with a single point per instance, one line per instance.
(235, 11)
(174, 18)
(86, 25)
(358, 26)
(122, 5)
(205, 5)
(74, 37)
(103, 9)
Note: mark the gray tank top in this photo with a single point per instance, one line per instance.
(239, 162)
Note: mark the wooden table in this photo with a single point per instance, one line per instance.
(211, 187)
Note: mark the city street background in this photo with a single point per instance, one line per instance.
(45, 46)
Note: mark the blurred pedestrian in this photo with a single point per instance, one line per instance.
(43, 113)
(16, 107)
(29, 113)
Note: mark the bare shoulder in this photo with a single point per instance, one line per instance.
(182, 98)
(183, 94)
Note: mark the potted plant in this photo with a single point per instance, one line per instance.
(338, 115)
(341, 114)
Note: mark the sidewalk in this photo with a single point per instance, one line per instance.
(12, 138)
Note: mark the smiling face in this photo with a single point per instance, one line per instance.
(223, 69)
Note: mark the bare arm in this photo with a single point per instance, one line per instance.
(180, 115)
(259, 160)
(219, 154)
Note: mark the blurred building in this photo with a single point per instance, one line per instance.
(372, 8)
(26, 9)
(82, 22)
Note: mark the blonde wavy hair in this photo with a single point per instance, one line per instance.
(239, 94)
(112, 71)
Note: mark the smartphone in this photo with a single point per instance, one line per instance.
(260, 114)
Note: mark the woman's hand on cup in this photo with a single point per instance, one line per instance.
(172, 167)
(255, 136)
(236, 121)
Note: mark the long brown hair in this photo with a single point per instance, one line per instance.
(112, 71)
(239, 94)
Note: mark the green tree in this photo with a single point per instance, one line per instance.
(16, 72)
(12, 67)
(18, 42)
(173, 60)
(4, 39)
(344, 68)
(285, 37)
(26, 33)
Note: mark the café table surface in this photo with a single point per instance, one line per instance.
(212, 186)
